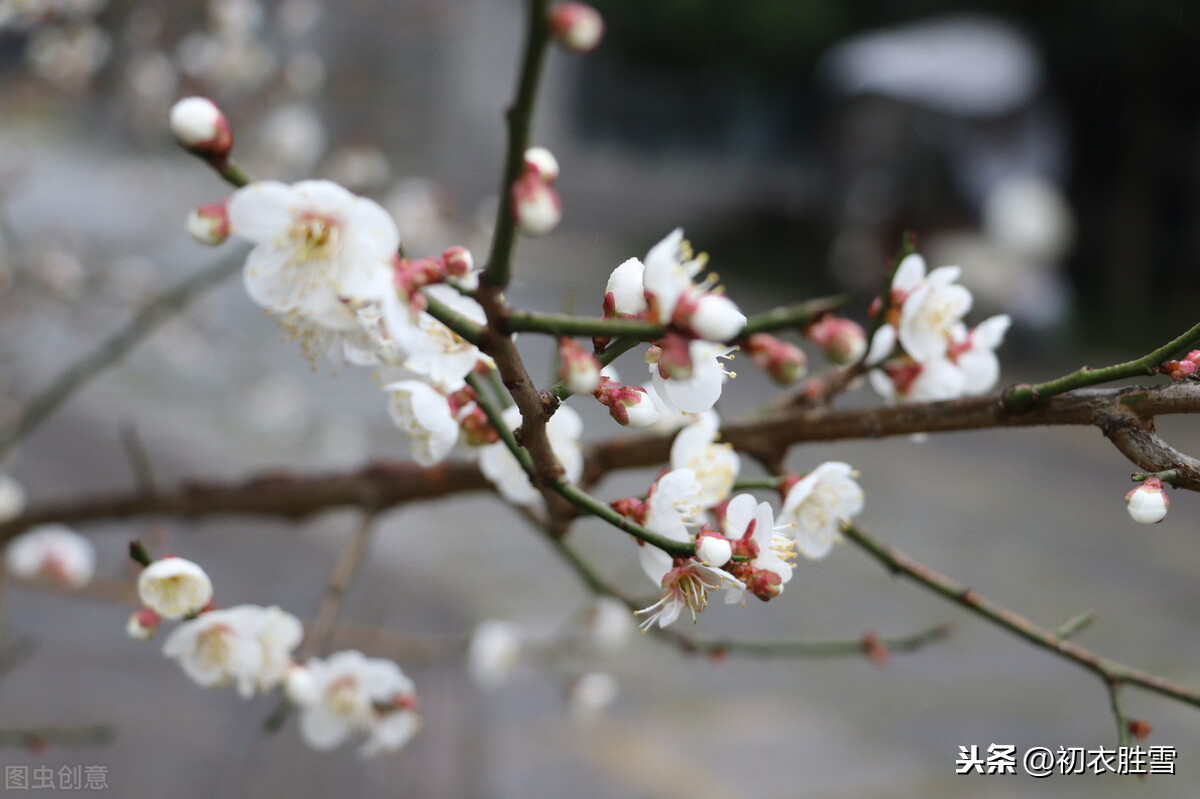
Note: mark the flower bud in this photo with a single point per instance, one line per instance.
(579, 370)
(1148, 503)
(630, 406)
(299, 686)
(458, 261)
(536, 206)
(715, 317)
(783, 361)
(842, 340)
(1180, 369)
(209, 224)
(577, 27)
(200, 126)
(543, 162)
(713, 549)
(174, 588)
(142, 625)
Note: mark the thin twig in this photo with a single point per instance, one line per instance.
(320, 634)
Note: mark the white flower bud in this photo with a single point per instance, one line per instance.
(199, 125)
(714, 550)
(209, 224)
(299, 686)
(174, 588)
(716, 318)
(1148, 503)
(591, 695)
(542, 161)
(577, 27)
(536, 206)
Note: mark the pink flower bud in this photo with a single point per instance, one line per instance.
(458, 261)
(577, 27)
(1148, 503)
(842, 340)
(542, 161)
(200, 126)
(536, 206)
(630, 406)
(578, 369)
(142, 625)
(209, 224)
(783, 361)
(1186, 367)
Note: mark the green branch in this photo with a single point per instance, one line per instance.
(592, 506)
(1023, 396)
(520, 122)
(465, 327)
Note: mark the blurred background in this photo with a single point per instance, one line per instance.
(1052, 151)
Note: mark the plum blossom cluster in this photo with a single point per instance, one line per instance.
(252, 648)
(686, 371)
(922, 350)
(740, 545)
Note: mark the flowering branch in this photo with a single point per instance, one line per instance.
(520, 122)
(1113, 674)
(1023, 396)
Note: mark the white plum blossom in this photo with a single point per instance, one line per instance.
(816, 506)
(699, 391)
(932, 305)
(669, 270)
(349, 694)
(498, 464)
(715, 317)
(904, 379)
(766, 568)
(174, 587)
(436, 352)
(494, 651)
(318, 247)
(685, 583)
(425, 415)
(1148, 503)
(54, 552)
(974, 353)
(715, 466)
(670, 419)
(248, 645)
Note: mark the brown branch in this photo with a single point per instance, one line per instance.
(1124, 415)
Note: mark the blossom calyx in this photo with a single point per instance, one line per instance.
(1148, 503)
(630, 406)
(201, 127)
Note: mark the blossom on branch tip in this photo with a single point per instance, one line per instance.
(815, 507)
(53, 552)
(174, 587)
(576, 26)
(763, 565)
(200, 126)
(934, 304)
(209, 224)
(1148, 503)
(349, 694)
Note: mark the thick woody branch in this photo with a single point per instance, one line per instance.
(1121, 413)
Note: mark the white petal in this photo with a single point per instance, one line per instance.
(261, 211)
